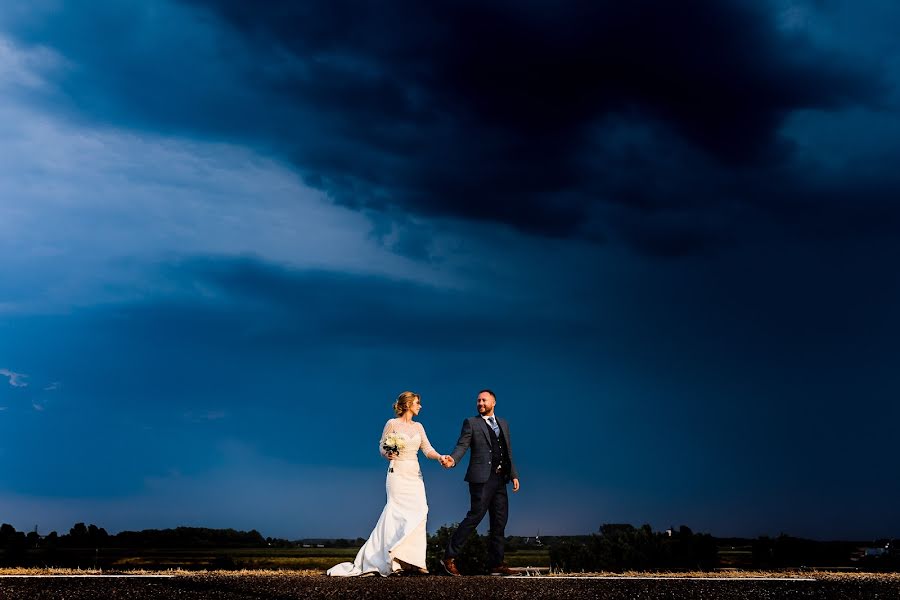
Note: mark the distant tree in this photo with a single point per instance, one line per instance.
(512, 544)
(78, 536)
(189, 537)
(686, 550)
(86, 536)
(620, 547)
(572, 556)
(33, 539)
(97, 536)
(13, 543)
(705, 552)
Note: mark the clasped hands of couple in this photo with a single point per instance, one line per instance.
(445, 459)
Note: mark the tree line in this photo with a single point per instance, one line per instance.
(625, 548)
(91, 536)
(615, 547)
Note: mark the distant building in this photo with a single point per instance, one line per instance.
(536, 541)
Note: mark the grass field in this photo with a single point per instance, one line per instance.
(294, 559)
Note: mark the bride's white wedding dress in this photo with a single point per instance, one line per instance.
(398, 540)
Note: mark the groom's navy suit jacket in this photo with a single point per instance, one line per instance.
(476, 434)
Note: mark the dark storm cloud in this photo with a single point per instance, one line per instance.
(485, 110)
(489, 111)
(286, 308)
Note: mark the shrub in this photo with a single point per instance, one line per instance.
(472, 557)
(624, 547)
(572, 557)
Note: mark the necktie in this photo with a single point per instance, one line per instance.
(493, 425)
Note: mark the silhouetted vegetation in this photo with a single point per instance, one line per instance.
(91, 536)
(472, 557)
(623, 547)
(613, 548)
(89, 545)
(785, 551)
(190, 537)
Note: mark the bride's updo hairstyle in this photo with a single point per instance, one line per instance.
(404, 401)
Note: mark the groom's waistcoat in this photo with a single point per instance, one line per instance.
(487, 450)
(499, 453)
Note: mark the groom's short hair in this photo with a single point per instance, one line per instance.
(491, 392)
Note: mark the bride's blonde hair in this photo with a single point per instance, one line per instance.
(404, 401)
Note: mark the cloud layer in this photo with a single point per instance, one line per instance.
(642, 123)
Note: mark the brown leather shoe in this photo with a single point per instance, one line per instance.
(449, 565)
(503, 570)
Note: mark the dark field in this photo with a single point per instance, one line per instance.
(289, 586)
(224, 558)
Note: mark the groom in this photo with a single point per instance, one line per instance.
(491, 467)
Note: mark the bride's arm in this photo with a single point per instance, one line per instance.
(387, 429)
(426, 447)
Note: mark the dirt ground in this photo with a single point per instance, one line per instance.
(230, 586)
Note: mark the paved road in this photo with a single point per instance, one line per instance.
(282, 587)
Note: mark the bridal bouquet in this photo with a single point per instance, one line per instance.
(394, 442)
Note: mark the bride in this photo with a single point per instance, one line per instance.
(397, 543)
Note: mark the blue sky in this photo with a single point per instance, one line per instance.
(231, 235)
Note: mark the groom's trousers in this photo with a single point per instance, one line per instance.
(488, 497)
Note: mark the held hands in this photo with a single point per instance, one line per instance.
(447, 461)
(390, 455)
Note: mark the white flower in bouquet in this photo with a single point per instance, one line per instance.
(394, 442)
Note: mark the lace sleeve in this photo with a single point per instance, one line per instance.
(425, 446)
(387, 428)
